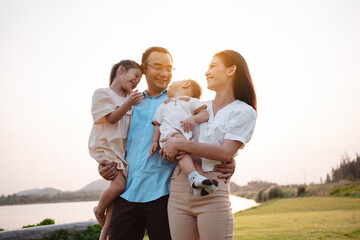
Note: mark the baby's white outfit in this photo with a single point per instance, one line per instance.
(107, 141)
(172, 111)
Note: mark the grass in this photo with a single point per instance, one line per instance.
(301, 218)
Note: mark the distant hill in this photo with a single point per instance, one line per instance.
(38, 191)
(98, 185)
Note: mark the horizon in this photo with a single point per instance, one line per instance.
(303, 57)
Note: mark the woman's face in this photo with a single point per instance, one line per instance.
(216, 75)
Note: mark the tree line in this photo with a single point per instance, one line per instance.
(348, 169)
(60, 197)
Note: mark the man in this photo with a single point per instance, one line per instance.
(143, 205)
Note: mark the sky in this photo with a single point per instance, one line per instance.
(304, 58)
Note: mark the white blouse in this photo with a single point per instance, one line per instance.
(236, 121)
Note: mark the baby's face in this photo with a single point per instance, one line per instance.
(176, 89)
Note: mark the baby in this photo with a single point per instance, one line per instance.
(176, 118)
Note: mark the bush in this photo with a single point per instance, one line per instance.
(91, 233)
(346, 191)
(46, 221)
(275, 192)
(301, 190)
(1, 230)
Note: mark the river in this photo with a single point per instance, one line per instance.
(15, 216)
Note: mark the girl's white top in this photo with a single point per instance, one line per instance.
(108, 141)
(235, 121)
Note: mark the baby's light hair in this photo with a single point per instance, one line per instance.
(195, 88)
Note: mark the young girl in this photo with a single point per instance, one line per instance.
(111, 111)
(176, 117)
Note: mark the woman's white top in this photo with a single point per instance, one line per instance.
(236, 121)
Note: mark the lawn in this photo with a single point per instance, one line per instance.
(301, 218)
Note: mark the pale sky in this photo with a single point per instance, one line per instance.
(304, 57)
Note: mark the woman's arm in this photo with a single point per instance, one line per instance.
(222, 153)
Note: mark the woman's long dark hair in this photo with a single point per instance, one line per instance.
(127, 65)
(243, 86)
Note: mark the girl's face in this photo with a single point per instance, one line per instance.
(129, 79)
(216, 75)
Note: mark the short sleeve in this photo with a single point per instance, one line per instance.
(195, 104)
(158, 117)
(241, 125)
(102, 105)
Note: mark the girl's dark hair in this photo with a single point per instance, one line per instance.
(243, 85)
(127, 65)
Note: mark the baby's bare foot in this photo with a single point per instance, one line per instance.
(100, 216)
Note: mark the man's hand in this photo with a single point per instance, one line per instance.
(108, 170)
(227, 169)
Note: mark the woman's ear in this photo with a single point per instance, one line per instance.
(231, 70)
(187, 84)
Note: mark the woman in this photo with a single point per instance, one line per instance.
(230, 126)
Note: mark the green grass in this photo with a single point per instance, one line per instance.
(301, 218)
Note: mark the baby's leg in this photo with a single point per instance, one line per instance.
(197, 181)
(117, 186)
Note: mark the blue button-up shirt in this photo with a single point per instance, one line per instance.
(148, 178)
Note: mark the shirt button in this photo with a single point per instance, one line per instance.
(142, 139)
(138, 155)
(147, 125)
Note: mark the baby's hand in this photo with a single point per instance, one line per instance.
(135, 97)
(153, 148)
(188, 124)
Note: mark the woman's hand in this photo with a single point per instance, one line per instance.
(108, 170)
(227, 169)
(170, 148)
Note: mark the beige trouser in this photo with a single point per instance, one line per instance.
(208, 217)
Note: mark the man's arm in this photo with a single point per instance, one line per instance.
(108, 170)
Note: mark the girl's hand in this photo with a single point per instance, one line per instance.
(227, 169)
(107, 170)
(135, 97)
(153, 148)
(188, 124)
(169, 149)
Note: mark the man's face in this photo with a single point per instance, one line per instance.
(158, 71)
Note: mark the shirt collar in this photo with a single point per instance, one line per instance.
(145, 93)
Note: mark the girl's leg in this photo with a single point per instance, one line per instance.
(105, 230)
(117, 186)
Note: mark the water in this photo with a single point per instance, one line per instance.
(16, 216)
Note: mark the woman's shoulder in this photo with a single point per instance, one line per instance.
(243, 108)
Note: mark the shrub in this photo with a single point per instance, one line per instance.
(301, 190)
(1, 230)
(275, 192)
(46, 221)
